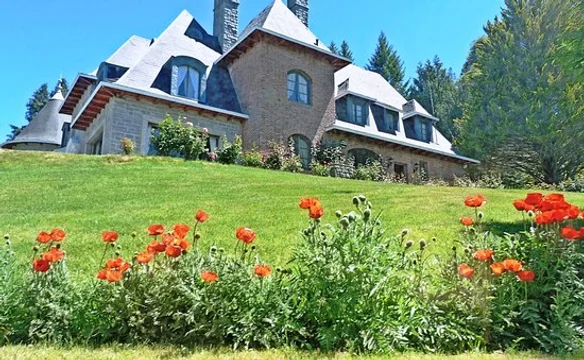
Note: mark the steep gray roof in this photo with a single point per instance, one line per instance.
(279, 19)
(130, 52)
(46, 127)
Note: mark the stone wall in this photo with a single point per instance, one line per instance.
(300, 9)
(260, 79)
(226, 22)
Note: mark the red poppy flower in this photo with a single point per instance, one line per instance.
(201, 216)
(569, 233)
(262, 270)
(117, 264)
(58, 235)
(466, 221)
(156, 247)
(109, 236)
(316, 212)
(544, 218)
(144, 257)
(512, 265)
(573, 212)
(245, 234)
(519, 205)
(526, 275)
(54, 255)
(209, 276)
(466, 271)
(497, 268)
(307, 203)
(114, 275)
(555, 197)
(102, 274)
(475, 201)
(181, 230)
(155, 230)
(41, 265)
(582, 233)
(168, 239)
(533, 199)
(44, 237)
(183, 244)
(483, 255)
(173, 251)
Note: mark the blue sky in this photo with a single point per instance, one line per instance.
(43, 39)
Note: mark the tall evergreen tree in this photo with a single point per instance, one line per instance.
(64, 87)
(388, 64)
(434, 87)
(346, 51)
(334, 48)
(521, 110)
(37, 101)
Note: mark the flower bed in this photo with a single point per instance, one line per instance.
(349, 286)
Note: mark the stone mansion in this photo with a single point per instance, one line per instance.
(275, 80)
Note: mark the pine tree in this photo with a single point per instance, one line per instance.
(386, 62)
(345, 51)
(64, 88)
(37, 101)
(334, 48)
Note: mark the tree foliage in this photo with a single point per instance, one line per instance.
(521, 110)
(334, 48)
(434, 87)
(37, 101)
(388, 64)
(346, 51)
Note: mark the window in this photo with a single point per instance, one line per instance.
(213, 143)
(153, 131)
(387, 120)
(363, 156)
(188, 82)
(302, 149)
(298, 87)
(95, 147)
(400, 171)
(358, 113)
(418, 128)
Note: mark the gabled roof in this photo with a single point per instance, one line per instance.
(413, 108)
(278, 18)
(46, 127)
(355, 80)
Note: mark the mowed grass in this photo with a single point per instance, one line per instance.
(86, 195)
(147, 353)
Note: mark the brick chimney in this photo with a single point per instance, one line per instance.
(300, 9)
(226, 22)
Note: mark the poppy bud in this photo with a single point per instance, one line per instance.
(306, 232)
(422, 244)
(467, 251)
(221, 250)
(530, 213)
(377, 222)
(404, 232)
(134, 234)
(338, 213)
(480, 215)
(352, 216)
(322, 234)
(363, 198)
(6, 237)
(415, 262)
(35, 249)
(409, 244)
(213, 248)
(58, 246)
(279, 269)
(246, 250)
(113, 245)
(253, 247)
(454, 248)
(197, 236)
(344, 222)
(7, 242)
(367, 214)
(434, 239)
(356, 201)
(317, 221)
(119, 247)
(472, 230)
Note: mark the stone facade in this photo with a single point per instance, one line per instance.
(260, 79)
(300, 9)
(437, 167)
(226, 22)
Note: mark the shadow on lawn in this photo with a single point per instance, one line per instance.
(501, 227)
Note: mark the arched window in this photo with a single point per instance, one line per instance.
(298, 87)
(189, 82)
(362, 156)
(302, 149)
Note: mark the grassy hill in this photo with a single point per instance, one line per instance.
(86, 195)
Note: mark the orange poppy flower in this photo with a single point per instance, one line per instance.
(466, 221)
(41, 265)
(519, 205)
(483, 255)
(512, 265)
(117, 264)
(307, 203)
(156, 247)
(109, 236)
(569, 233)
(155, 230)
(466, 271)
(102, 274)
(497, 268)
(54, 255)
(173, 251)
(209, 276)
(168, 239)
(246, 235)
(44, 237)
(58, 235)
(183, 244)
(526, 275)
(144, 257)
(555, 197)
(316, 212)
(262, 270)
(533, 199)
(181, 230)
(114, 275)
(201, 216)
(475, 201)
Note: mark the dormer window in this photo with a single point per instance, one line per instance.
(419, 128)
(298, 87)
(353, 110)
(189, 82)
(386, 120)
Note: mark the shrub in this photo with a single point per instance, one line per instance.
(230, 152)
(128, 146)
(252, 158)
(320, 169)
(372, 170)
(292, 164)
(177, 138)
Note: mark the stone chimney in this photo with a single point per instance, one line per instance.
(226, 22)
(300, 9)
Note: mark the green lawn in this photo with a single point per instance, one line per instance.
(86, 195)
